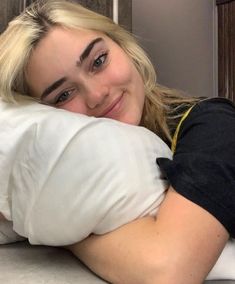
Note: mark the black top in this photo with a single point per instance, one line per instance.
(203, 166)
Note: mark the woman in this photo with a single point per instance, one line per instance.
(66, 56)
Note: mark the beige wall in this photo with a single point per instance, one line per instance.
(180, 36)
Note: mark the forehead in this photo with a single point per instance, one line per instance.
(60, 39)
(70, 34)
(62, 45)
(55, 52)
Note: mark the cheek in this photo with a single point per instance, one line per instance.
(121, 74)
(120, 70)
(76, 105)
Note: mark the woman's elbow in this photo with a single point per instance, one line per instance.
(171, 269)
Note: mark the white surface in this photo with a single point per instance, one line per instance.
(21, 263)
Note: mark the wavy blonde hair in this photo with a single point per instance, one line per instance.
(163, 106)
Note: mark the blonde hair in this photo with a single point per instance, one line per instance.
(163, 107)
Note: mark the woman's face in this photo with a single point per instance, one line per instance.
(86, 72)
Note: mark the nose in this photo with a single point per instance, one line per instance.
(95, 93)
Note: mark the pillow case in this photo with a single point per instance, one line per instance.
(67, 175)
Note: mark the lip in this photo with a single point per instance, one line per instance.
(110, 111)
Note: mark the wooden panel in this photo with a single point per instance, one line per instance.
(11, 8)
(226, 47)
(220, 2)
(8, 10)
(125, 14)
(28, 2)
(105, 7)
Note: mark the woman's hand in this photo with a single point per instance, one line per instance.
(180, 246)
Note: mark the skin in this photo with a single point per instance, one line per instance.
(183, 243)
(180, 246)
(103, 83)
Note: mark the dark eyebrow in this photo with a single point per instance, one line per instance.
(82, 57)
(88, 49)
(52, 87)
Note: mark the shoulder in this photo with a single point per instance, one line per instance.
(212, 108)
(216, 103)
(210, 121)
(203, 165)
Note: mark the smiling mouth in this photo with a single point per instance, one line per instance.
(113, 108)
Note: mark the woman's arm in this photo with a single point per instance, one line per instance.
(180, 246)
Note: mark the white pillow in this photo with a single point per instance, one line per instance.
(67, 175)
(64, 176)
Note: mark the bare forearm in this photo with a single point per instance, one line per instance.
(181, 246)
(136, 254)
(121, 256)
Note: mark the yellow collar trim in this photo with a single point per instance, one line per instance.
(175, 137)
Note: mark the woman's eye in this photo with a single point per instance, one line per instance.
(99, 61)
(63, 97)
